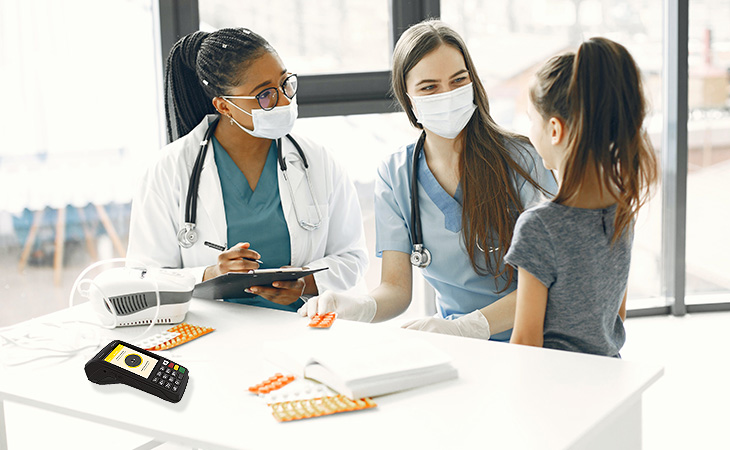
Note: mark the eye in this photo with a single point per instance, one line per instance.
(430, 87)
(460, 80)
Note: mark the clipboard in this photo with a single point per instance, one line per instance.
(232, 284)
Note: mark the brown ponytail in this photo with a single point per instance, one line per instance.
(598, 93)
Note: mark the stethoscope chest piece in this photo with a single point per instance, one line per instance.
(420, 256)
(187, 236)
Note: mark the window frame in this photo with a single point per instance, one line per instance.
(369, 93)
(319, 95)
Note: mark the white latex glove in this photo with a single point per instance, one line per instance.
(473, 325)
(358, 307)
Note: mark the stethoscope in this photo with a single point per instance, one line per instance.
(188, 235)
(420, 255)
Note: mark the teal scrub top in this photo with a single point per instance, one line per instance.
(255, 216)
(459, 289)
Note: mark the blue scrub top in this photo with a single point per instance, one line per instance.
(255, 216)
(459, 289)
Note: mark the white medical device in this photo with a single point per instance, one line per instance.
(122, 296)
(128, 296)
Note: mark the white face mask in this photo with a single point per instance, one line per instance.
(445, 114)
(271, 124)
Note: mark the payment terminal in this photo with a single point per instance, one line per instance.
(120, 362)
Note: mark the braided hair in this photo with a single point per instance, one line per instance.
(202, 66)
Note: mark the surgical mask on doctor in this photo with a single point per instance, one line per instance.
(445, 114)
(271, 124)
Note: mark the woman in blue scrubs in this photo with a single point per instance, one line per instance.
(473, 179)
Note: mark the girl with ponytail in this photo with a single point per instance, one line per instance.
(234, 191)
(573, 254)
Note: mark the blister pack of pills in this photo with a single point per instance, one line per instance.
(322, 321)
(177, 335)
(278, 381)
(291, 398)
(157, 339)
(317, 407)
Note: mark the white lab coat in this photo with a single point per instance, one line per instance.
(158, 212)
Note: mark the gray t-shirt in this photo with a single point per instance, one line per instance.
(570, 251)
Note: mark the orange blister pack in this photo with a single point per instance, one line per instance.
(278, 381)
(186, 332)
(322, 321)
(316, 407)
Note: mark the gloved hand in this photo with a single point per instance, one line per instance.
(473, 325)
(348, 306)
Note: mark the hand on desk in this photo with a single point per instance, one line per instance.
(473, 325)
(358, 307)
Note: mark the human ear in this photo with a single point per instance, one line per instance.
(557, 130)
(221, 106)
(411, 107)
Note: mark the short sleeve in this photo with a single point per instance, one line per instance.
(391, 227)
(532, 249)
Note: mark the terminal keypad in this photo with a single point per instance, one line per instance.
(169, 375)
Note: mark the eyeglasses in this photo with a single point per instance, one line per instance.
(269, 97)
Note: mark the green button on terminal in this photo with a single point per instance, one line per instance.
(182, 370)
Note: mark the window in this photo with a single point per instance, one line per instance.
(360, 143)
(79, 92)
(708, 196)
(312, 37)
(83, 79)
(509, 40)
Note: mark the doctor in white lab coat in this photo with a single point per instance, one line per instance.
(237, 201)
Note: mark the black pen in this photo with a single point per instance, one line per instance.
(221, 248)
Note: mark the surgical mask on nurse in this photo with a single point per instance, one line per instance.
(445, 114)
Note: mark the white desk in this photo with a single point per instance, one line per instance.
(506, 396)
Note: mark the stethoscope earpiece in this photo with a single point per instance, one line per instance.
(307, 225)
(489, 249)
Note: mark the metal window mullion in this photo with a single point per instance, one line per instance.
(176, 19)
(365, 92)
(405, 13)
(345, 93)
(675, 153)
(173, 20)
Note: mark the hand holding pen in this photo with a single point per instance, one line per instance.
(239, 258)
(221, 248)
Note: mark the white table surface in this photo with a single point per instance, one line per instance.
(506, 396)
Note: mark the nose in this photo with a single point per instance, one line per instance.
(283, 99)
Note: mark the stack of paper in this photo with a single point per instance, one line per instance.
(358, 367)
